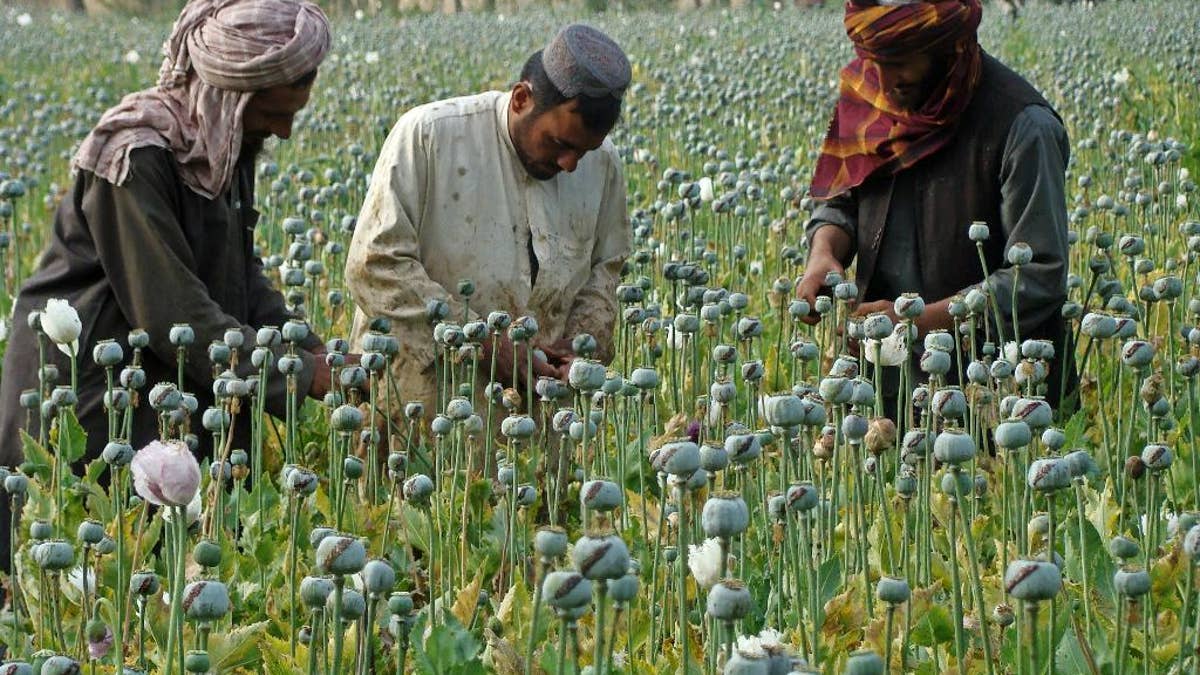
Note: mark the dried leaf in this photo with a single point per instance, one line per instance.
(466, 600)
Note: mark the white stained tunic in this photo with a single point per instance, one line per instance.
(450, 200)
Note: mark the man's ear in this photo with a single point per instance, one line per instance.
(522, 98)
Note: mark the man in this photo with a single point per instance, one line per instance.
(517, 191)
(930, 134)
(158, 229)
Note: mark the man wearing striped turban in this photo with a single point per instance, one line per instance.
(158, 228)
(931, 134)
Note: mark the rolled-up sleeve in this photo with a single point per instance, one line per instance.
(1033, 210)
(594, 310)
(840, 212)
(384, 271)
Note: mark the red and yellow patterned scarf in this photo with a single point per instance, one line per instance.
(868, 133)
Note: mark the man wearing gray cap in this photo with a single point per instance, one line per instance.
(517, 191)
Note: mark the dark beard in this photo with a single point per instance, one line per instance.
(251, 149)
(520, 133)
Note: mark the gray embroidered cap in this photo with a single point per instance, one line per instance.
(583, 60)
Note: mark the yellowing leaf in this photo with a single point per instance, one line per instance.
(465, 601)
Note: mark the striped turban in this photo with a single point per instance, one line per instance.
(220, 53)
(868, 133)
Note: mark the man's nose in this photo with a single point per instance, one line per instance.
(569, 160)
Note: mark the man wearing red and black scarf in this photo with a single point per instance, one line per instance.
(929, 135)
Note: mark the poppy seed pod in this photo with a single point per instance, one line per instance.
(205, 600)
(836, 390)
(601, 556)
(16, 484)
(586, 375)
(1019, 254)
(458, 409)
(877, 326)
(1032, 580)
(400, 603)
(978, 231)
(16, 668)
(680, 457)
(854, 427)
(600, 495)
(1048, 475)
(935, 362)
(725, 515)
(1124, 548)
(729, 600)
(197, 661)
(893, 590)
(723, 391)
(978, 373)
(290, 365)
(954, 446)
(346, 419)
(623, 590)
(1035, 412)
(713, 458)
(1080, 464)
(1191, 544)
(802, 497)
(518, 426)
(314, 591)
(144, 583)
(90, 532)
(1013, 434)
(864, 662)
(908, 306)
(418, 488)
(181, 335)
(949, 403)
(783, 409)
(743, 448)
(1137, 353)
(1132, 582)
(354, 605)
(207, 553)
(107, 353)
(60, 665)
(753, 371)
(378, 577)
(566, 590)
(340, 554)
(526, 496)
(1003, 615)
(1054, 438)
(1157, 457)
(550, 542)
(956, 485)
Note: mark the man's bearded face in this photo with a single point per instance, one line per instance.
(908, 81)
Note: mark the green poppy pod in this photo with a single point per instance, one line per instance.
(550, 542)
(1132, 582)
(954, 446)
(864, 662)
(565, 590)
(1032, 580)
(205, 600)
(340, 554)
(729, 600)
(892, 590)
(601, 556)
(725, 515)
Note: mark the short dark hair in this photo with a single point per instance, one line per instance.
(600, 114)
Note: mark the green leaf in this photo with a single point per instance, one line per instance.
(72, 440)
(238, 648)
(38, 460)
(829, 583)
(1096, 563)
(935, 627)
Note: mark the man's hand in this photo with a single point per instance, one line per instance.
(875, 307)
(560, 355)
(500, 349)
(812, 283)
(322, 379)
(829, 246)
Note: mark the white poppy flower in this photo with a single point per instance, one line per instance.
(60, 323)
(705, 562)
